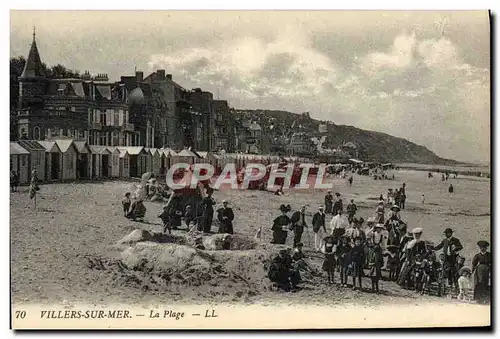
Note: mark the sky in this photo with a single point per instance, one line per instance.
(421, 75)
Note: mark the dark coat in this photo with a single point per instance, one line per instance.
(318, 221)
(446, 244)
(298, 221)
(226, 217)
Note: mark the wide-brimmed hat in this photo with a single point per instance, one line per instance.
(395, 207)
(380, 202)
(464, 269)
(417, 230)
(483, 243)
(370, 220)
(380, 226)
(337, 194)
(321, 206)
(448, 230)
(225, 201)
(283, 208)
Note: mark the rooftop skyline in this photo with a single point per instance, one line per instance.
(423, 76)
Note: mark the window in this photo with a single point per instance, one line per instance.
(125, 162)
(103, 118)
(36, 133)
(115, 160)
(116, 118)
(23, 160)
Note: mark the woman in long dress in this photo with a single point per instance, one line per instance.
(280, 227)
(481, 267)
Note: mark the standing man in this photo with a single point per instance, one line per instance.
(338, 225)
(350, 179)
(225, 215)
(298, 224)
(319, 228)
(451, 246)
(338, 205)
(328, 202)
(351, 210)
(208, 211)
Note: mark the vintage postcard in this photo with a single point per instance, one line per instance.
(250, 169)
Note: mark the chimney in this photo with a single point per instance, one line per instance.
(160, 74)
(139, 76)
(169, 76)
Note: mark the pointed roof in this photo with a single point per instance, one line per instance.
(33, 66)
(50, 146)
(65, 144)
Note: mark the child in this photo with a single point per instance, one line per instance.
(356, 262)
(328, 249)
(392, 262)
(126, 204)
(166, 220)
(343, 259)
(464, 284)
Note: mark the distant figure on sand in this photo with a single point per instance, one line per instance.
(137, 210)
(319, 228)
(450, 189)
(208, 211)
(14, 181)
(225, 215)
(328, 202)
(126, 203)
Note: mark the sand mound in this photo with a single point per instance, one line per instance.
(214, 242)
(143, 235)
(149, 266)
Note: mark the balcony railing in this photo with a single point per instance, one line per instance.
(95, 125)
(128, 127)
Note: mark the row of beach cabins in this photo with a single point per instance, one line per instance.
(68, 159)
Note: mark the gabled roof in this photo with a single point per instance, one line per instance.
(99, 149)
(152, 151)
(65, 144)
(17, 149)
(82, 147)
(50, 146)
(31, 145)
(133, 150)
(186, 153)
(114, 150)
(167, 152)
(202, 155)
(123, 153)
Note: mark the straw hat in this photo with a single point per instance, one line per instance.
(417, 230)
(464, 269)
(380, 226)
(395, 207)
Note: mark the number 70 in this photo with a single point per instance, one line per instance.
(20, 314)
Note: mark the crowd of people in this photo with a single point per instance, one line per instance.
(353, 249)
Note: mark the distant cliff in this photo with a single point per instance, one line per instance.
(374, 146)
